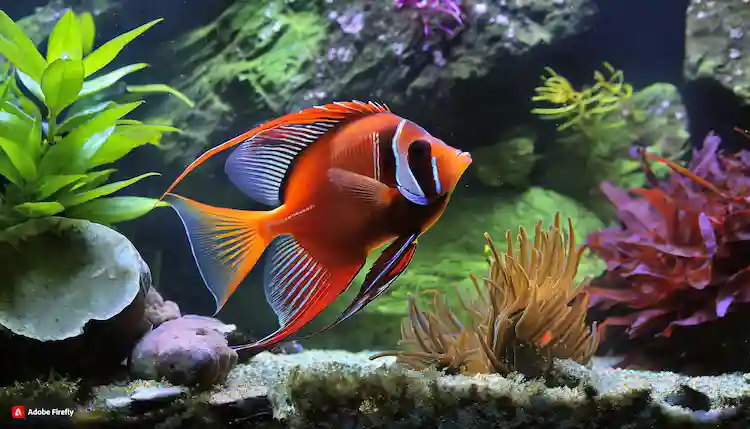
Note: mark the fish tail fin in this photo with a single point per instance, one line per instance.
(225, 243)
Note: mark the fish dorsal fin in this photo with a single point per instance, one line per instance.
(331, 114)
(259, 166)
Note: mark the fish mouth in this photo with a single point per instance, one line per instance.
(465, 158)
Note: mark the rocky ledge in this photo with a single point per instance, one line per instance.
(336, 389)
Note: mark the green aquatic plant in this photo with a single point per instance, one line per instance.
(55, 144)
(585, 108)
(597, 125)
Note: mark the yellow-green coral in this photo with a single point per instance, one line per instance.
(584, 107)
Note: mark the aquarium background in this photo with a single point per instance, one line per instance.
(246, 62)
(674, 71)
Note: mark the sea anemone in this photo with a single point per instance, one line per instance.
(435, 12)
(528, 310)
(680, 256)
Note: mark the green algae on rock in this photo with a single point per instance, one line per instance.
(507, 163)
(261, 59)
(248, 62)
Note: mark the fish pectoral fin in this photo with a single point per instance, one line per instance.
(226, 243)
(386, 269)
(298, 287)
(361, 188)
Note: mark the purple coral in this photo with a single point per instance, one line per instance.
(434, 10)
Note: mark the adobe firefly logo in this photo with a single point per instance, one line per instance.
(18, 412)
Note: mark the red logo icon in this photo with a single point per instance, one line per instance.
(18, 412)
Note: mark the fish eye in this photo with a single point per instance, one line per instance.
(419, 150)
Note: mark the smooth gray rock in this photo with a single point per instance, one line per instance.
(191, 350)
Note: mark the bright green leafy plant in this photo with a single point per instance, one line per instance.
(56, 140)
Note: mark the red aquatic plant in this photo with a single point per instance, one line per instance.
(435, 13)
(681, 256)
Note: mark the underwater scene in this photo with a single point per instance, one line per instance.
(353, 214)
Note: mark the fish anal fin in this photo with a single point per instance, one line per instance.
(361, 188)
(225, 243)
(386, 269)
(298, 287)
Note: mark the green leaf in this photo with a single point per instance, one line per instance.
(161, 88)
(104, 54)
(73, 153)
(5, 88)
(34, 140)
(129, 122)
(93, 179)
(115, 209)
(31, 84)
(11, 108)
(39, 209)
(65, 40)
(125, 139)
(8, 171)
(18, 48)
(61, 83)
(88, 31)
(83, 197)
(19, 158)
(14, 128)
(49, 185)
(109, 79)
(79, 118)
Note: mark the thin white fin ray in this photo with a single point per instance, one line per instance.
(259, 166)
(292, 278)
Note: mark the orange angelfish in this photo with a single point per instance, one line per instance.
(344, 178)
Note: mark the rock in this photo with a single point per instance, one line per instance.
(663, 121)
(191, 350)
(343, 49)
(158, 310)
(73, 298)
(687, 397)
(287, 347)
(143, 399)
(717, 44)
(507, 163)
(332, 388)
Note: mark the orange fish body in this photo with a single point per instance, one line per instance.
(346, 178)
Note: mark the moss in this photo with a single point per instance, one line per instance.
(338, 396)
(507, 163)
(55, 392)
(261, 50)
